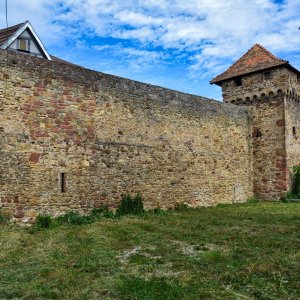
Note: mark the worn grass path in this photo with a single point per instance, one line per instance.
(249, 251)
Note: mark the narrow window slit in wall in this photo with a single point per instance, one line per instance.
(63, 183)
(294, 131)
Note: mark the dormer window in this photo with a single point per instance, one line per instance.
(238, 81)
(23, 45)
(23, 38)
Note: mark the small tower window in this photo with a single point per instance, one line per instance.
(238, 81)
(63, 182)
(267, 75)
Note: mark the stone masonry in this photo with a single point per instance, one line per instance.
(109, 136)
(271, 95)
(75, 139)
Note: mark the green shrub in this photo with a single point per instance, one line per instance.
(3, 218)
(101, 212)
(296, 172)
(108, 214)
(253, 200)
(159, 211)
(295, 193)
(290, 195)
(224, 205)
(138, 204)
(129, 206)
(43, 222)
(181, 207)
(74, 218)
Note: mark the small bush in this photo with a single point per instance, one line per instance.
(3, 218)
(43, 222)
(74, 218)
(181, 207)
(295, 193)
(296, 172)
(253, 200)
(289, 196)
(108, 214)
(224, 205)
(159, 211)
(101, 212)
(129, 206)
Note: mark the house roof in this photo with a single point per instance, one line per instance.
(10, 34)
(6, 33)
(256, 59)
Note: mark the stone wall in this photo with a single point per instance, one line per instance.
(292, 134)
(270, 172)
(260, 85)
(109, 136)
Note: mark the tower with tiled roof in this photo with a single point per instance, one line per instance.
(269, 87)
(257, 74)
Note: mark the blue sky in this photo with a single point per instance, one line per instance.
(179, 44)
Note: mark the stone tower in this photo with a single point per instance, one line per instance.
(270, 88)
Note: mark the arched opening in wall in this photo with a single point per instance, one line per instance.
(256, 133)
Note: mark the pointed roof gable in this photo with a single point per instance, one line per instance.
(10, 34)
(256, 59)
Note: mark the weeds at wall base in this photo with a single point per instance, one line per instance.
(128, 206)
(295, 192)
(3, 218)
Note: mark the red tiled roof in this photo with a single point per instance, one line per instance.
(256, 59)
(6, 33)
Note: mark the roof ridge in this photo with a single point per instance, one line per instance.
(269, 52)
(12, 27)
(255, 59)
(262, 48)
(7, 33)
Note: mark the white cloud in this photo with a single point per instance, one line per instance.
(135, 58)
(219, 30)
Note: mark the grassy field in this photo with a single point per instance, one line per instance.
(249, 251)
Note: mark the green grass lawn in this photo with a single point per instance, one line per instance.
(249, 251)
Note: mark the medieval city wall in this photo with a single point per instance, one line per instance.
(109, 136)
